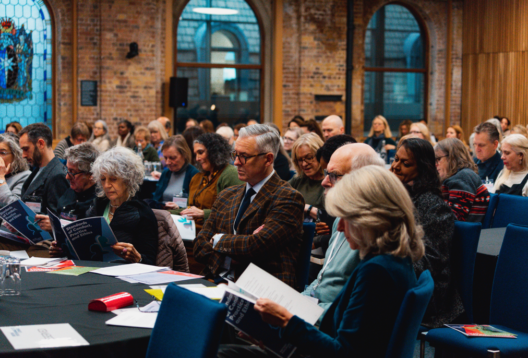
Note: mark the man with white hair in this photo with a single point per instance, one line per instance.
(340, 260)
(332, 125)
(259, 222)
(227, 133)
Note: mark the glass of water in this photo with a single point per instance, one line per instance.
(11, 279)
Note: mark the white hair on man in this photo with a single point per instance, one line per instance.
(267, 138)
(364, 158)
(227, 133)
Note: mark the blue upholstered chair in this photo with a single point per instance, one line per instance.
(303, 261)
(511, 209)
(509, 305)
(492, 206)
(188, 325)
(411, 313)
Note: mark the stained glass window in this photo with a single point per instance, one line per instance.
(25, 62)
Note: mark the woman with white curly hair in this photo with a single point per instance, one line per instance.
(118, 174)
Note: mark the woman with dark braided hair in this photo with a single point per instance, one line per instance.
(414, 165)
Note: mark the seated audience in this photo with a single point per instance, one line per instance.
(142, 136)
(295, 122)
(420, 130)
(414, 165)
(282, 162)
(14, 170)
(80, 133)
(78, 198)
(513, 178)
(462, 188)
(432, 138)
(340, 261)
(190, 135)
(158, 136)
(290, 137)
(377, 220)
(100, 137)
(228, 134)
(332, 125)
(258, 222)
(118, 173)
(125, 135)
(237, 128)
(519, 129)
(311, 126)
(488, 159)
(404, 128)
(166, 123)
(13, 127)
(207, 126)
(252, 122)
(309, 176)
(379, 132)
(213, 154)
(191, 123)
(455, 131)
(505, 125)
(176, 178)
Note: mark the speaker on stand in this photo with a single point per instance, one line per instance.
(178, 92)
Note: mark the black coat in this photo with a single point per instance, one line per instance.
(134, 222)
(75, 203)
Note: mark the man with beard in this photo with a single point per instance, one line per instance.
(47, 181)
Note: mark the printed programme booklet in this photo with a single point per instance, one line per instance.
(480, 330)
(256, 283)
(85, 239)
(22, 219)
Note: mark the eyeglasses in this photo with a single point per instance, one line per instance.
(289, 140)
(306, 159)
(437, 159)
(415, 132)
(148, 310)
(243, 158)
(73, 175)
(332, 176)
(3, 154)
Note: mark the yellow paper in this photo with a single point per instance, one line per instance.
(158, 294)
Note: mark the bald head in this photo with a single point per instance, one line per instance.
(332, 125)
(165, 122)
(348, 158)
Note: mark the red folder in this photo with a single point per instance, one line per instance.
(110, 303)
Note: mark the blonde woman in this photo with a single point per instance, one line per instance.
(513, 178)
(420, 130)
(376, 216)
(379, 132)
(519, 129)
(309, 174)
(158, 136)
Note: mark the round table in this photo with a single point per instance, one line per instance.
(48, 298)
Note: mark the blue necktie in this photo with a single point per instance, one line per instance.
(243, 207)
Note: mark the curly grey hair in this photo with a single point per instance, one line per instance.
(267, 138)
(19, 164)
(122, 163)
(82, 155)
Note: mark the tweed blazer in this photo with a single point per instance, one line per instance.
(275, 248)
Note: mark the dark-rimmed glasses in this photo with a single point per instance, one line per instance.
(308, 159)
(73, 175)
(332, 176)
(243, 158)
(437, 159)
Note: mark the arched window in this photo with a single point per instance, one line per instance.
(219, 51)
(25, 62)
(395, 67)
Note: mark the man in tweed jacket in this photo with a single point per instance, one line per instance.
(268, 232)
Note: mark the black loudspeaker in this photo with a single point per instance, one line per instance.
(178, 92)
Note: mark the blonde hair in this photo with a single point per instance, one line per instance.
(519, 129)
(375, 202)
(424, 130)
(519, 144)
(458, 156)
(144, 131)
(157, 126)
(312, 141)
(387, 131)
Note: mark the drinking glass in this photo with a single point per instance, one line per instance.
(11, 279)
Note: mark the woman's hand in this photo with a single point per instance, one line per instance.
(155, 175)
(4, 170)
(126, 251)
(273, 313)
(55, 250)
(193, 213)
(169, 205)
(44, 223)
(321, 228)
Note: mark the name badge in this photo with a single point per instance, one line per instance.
(34, 206)
(181, 202)
(68, 216)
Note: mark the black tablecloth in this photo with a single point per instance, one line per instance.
(48, 298)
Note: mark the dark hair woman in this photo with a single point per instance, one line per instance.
(414, 165)
(190, 134)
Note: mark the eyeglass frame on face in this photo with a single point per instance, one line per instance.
(288, 139)
(74, 175)
(332, 176)
(438, 159)
(305, 159)
(243, 158)
(415, 132)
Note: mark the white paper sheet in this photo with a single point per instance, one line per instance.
(187, 232)
(127, 270)
(156, 278)
(261, 284)
(134, 318)
(20, 254)
(43, 336)
(39, 261)
(214, 293)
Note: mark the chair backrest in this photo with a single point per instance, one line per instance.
(188, 325)
(303, 261)
(171, 250)
(292, 173)
(464, 253)
(410, 317)
(492, 206)
(511, 209)
(509, 296)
